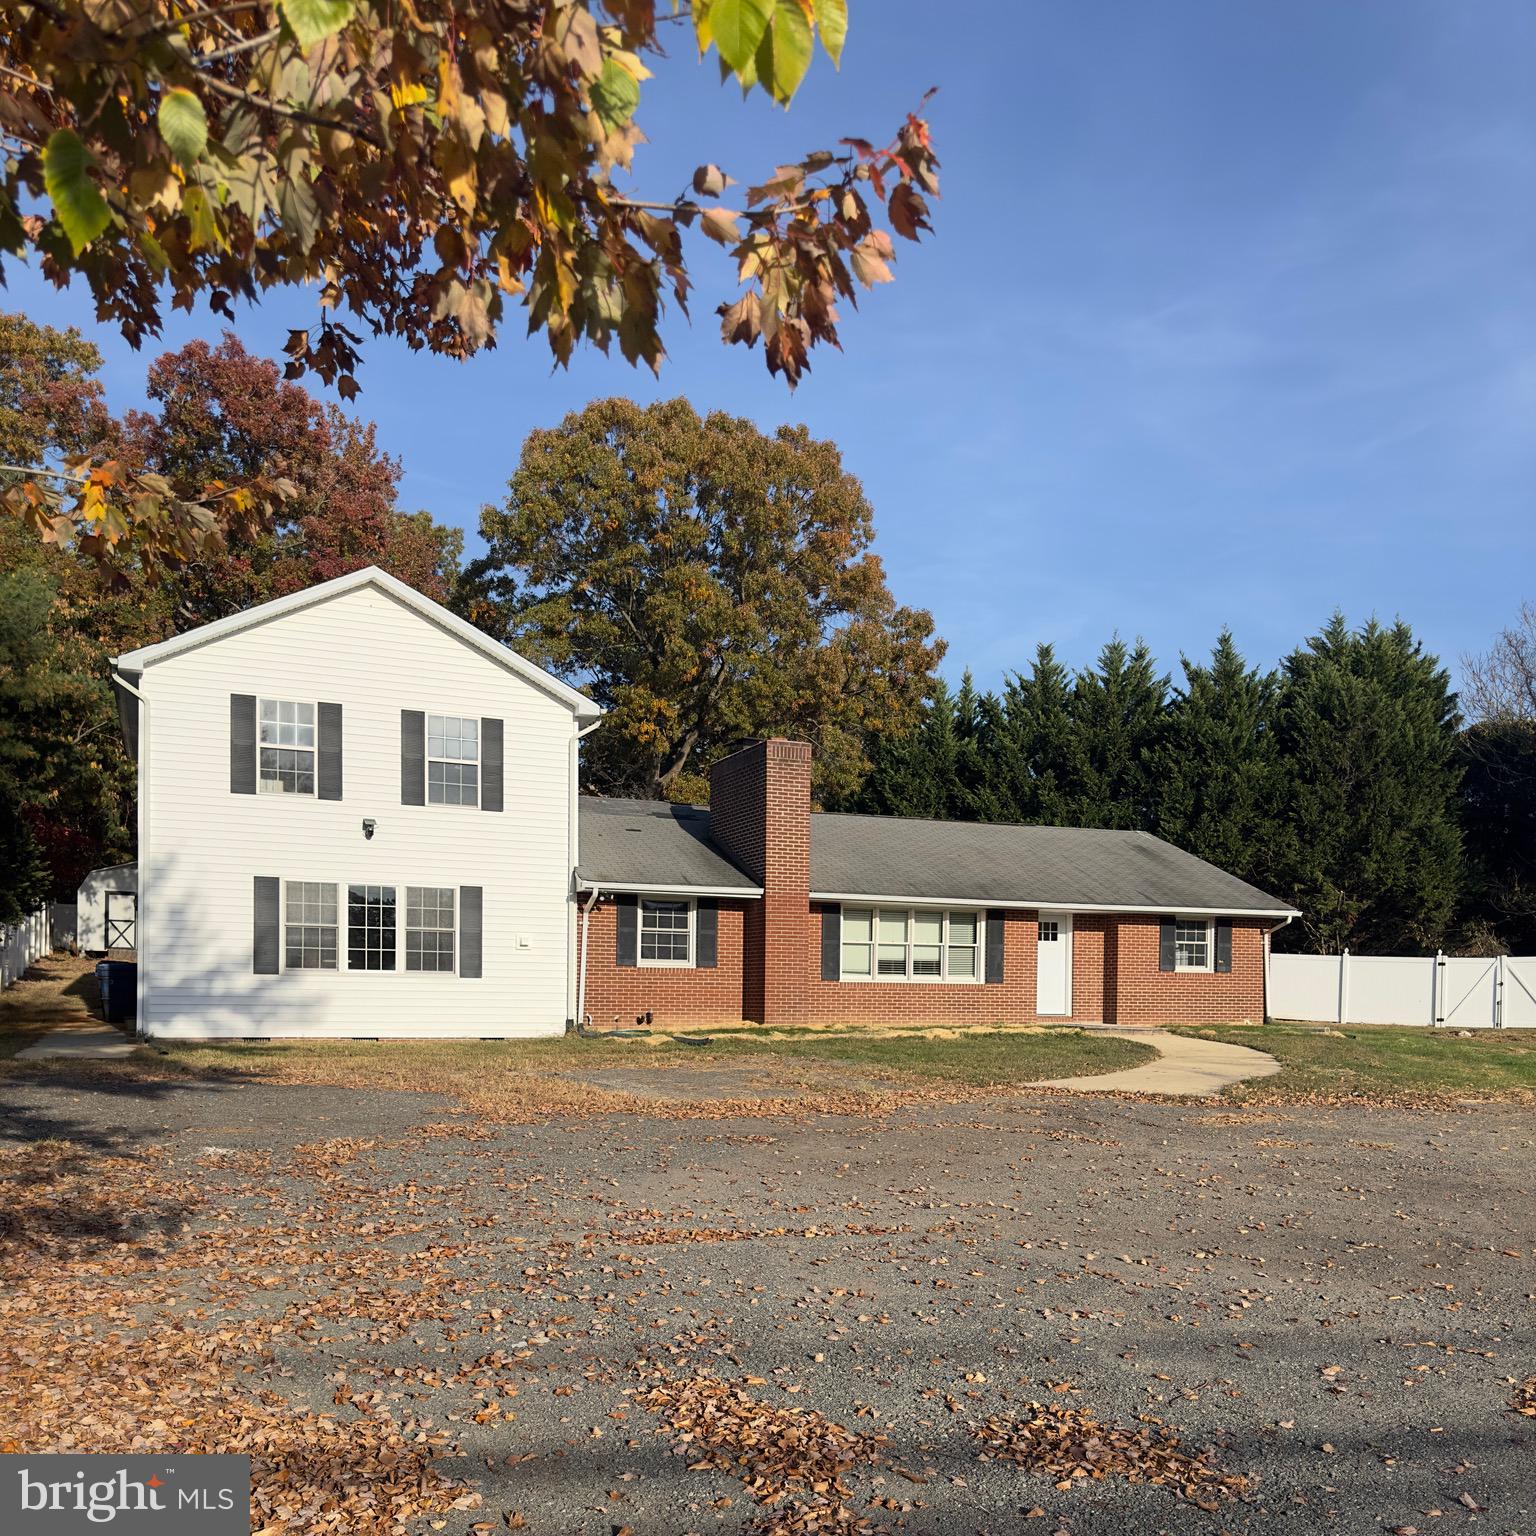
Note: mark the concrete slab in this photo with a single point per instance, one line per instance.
(1187, 1067)
(82, 1041)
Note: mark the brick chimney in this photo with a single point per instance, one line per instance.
(760, 816)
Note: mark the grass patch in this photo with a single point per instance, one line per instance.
(982, 1059)
(524, 1079)
(1383, 1062)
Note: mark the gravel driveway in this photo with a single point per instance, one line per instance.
(1339, 1306)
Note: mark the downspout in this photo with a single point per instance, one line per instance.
(141, 989)
(581, 972)
(1269, 935)
(574, 840)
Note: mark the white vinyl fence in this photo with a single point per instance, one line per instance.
(21, 944)
(1436, 991)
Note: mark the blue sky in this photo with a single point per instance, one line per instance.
(1229, 318)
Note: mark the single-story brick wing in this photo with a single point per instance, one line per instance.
(760, 908)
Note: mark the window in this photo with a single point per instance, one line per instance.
(1192, 944)
(666, 933)
(453, 760)
(309, 935)
(919, 944)
(285, 739)
(429, 928)
(370, 927)
(1050, 931)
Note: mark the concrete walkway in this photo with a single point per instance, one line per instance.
(79, 1041)
(1186, 1067)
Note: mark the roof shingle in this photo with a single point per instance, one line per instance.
(639, 843)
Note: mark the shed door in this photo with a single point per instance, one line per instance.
(122, 912)
(1053, 963)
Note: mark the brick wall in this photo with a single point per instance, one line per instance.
(1012, 1001)
(1138, 993)
(617, 995)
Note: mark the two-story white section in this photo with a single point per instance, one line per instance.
(357, 817)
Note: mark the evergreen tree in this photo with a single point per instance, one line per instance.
(1217, 773)
(1031, 774)
(918, 773)
(1117, 717)
(1498, 794)
(1370, 847)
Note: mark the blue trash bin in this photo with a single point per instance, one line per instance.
(120, 998)
(103, 982)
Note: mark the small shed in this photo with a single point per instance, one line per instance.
(107, 909)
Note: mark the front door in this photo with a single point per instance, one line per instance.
(1053, 963)
(122, 908)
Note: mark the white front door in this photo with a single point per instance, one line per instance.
(1053, 963)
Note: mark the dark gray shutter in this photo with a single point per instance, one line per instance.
(627, 911)
(1223, 944)
(328, 755)
(1167, 956)
(706, 934)
(264, 939)
(996, 932)
(490, 765)
(242, 743)
(413, 757)
(831, 943)
(470, 928)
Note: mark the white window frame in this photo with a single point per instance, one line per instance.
(943, 979)
(404, 921)
(1210, 944)
(346, 918)
(289, 922)
(276, 791)
(477, 762)
(401, 887)
(692, 924)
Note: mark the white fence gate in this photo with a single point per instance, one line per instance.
(21, 944)
(1435, 991)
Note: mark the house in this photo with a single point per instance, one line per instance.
(106, 908)
(358, 816)
(761, 908)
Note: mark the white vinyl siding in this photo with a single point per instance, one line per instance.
(205, 845)
(910, 944)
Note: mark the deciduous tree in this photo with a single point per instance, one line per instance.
(222, 413)
(427, 167)
(712, 583)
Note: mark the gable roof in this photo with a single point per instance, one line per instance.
(652, 845)
(390, 586)
(1002, 864)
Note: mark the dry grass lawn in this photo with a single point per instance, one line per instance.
(59, 989)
